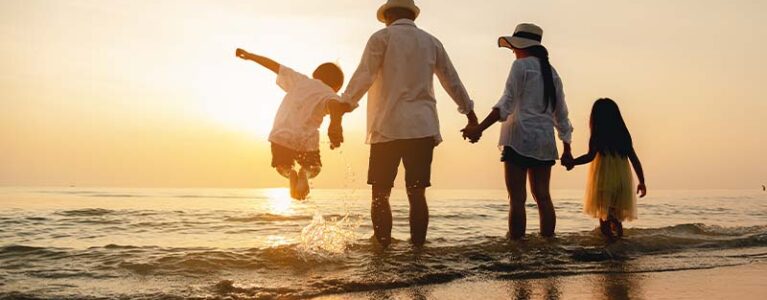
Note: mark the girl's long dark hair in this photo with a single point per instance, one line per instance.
(549, 89)
(609, 134)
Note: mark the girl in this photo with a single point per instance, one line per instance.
(610, 190)
(532, 105)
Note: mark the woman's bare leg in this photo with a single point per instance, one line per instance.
(516, 179)
(540, 179)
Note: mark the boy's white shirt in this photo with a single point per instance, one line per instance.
(300, 115)
(397, 71)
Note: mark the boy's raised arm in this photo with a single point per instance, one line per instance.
(264, 61)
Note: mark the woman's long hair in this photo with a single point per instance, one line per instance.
(549, 89)
(609, 134)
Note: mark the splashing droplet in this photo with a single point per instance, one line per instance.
(328, 239)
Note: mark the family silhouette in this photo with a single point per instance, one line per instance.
(397, 72)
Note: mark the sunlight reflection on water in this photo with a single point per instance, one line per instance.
(279, 202)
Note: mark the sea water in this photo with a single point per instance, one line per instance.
(90, 243)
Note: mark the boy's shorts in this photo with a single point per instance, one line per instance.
(286, 157)
(416, 155)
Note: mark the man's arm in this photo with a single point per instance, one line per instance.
(367, 71)
(264, 61)
(452, 84)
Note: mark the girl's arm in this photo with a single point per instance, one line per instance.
(641, 189)
(586, 158)
(264, 61)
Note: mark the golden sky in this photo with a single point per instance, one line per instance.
(149, 94)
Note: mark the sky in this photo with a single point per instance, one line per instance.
(140, 93)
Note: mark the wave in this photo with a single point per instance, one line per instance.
(364, 267)
(87, 212)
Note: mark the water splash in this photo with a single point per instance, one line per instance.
(328, 239)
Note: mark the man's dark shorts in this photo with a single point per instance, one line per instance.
(415, 154)
(286, 157)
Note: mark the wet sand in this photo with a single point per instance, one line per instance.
(737, 282)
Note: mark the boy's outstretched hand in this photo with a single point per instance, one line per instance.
(241, 53)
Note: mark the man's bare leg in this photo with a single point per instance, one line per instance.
(419, 215)
(380, 213)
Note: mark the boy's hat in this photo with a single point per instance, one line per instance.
(408, 4)
(526, 35)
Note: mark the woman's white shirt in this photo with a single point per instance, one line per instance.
(528, 127)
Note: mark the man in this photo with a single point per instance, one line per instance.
(397, 69)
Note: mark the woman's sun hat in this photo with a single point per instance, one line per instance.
(408, 4)
(525, 36)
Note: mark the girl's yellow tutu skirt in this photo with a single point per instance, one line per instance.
(610, 189)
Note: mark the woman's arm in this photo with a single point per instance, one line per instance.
(264, 61)
(641, 189)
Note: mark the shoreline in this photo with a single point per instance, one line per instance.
(742, 282)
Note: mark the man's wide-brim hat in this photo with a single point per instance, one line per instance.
(407, 4)
(525, 36)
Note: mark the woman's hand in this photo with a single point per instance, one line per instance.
(642, 190)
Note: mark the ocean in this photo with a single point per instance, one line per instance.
(97, 243)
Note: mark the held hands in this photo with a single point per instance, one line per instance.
(642, 190)
(336, 135)
(568, 161)
(472, 132)
(336, 110)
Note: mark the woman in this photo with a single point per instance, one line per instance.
(532, 105)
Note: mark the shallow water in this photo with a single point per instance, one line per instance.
(205, 243)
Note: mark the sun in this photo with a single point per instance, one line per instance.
(239, 98)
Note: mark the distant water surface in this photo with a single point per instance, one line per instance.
(209, 243)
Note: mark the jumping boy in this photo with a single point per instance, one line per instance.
(295, 135)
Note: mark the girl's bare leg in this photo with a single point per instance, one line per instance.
(516, 179)
(540, 179)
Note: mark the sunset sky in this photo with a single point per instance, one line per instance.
(142, 93)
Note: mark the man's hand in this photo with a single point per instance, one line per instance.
(642, 190)
(473, 133)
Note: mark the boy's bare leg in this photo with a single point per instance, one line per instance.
(284, 171)
(419, 215)
(312, 171)
(540, 179)
(380, 213)
(516, 179)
